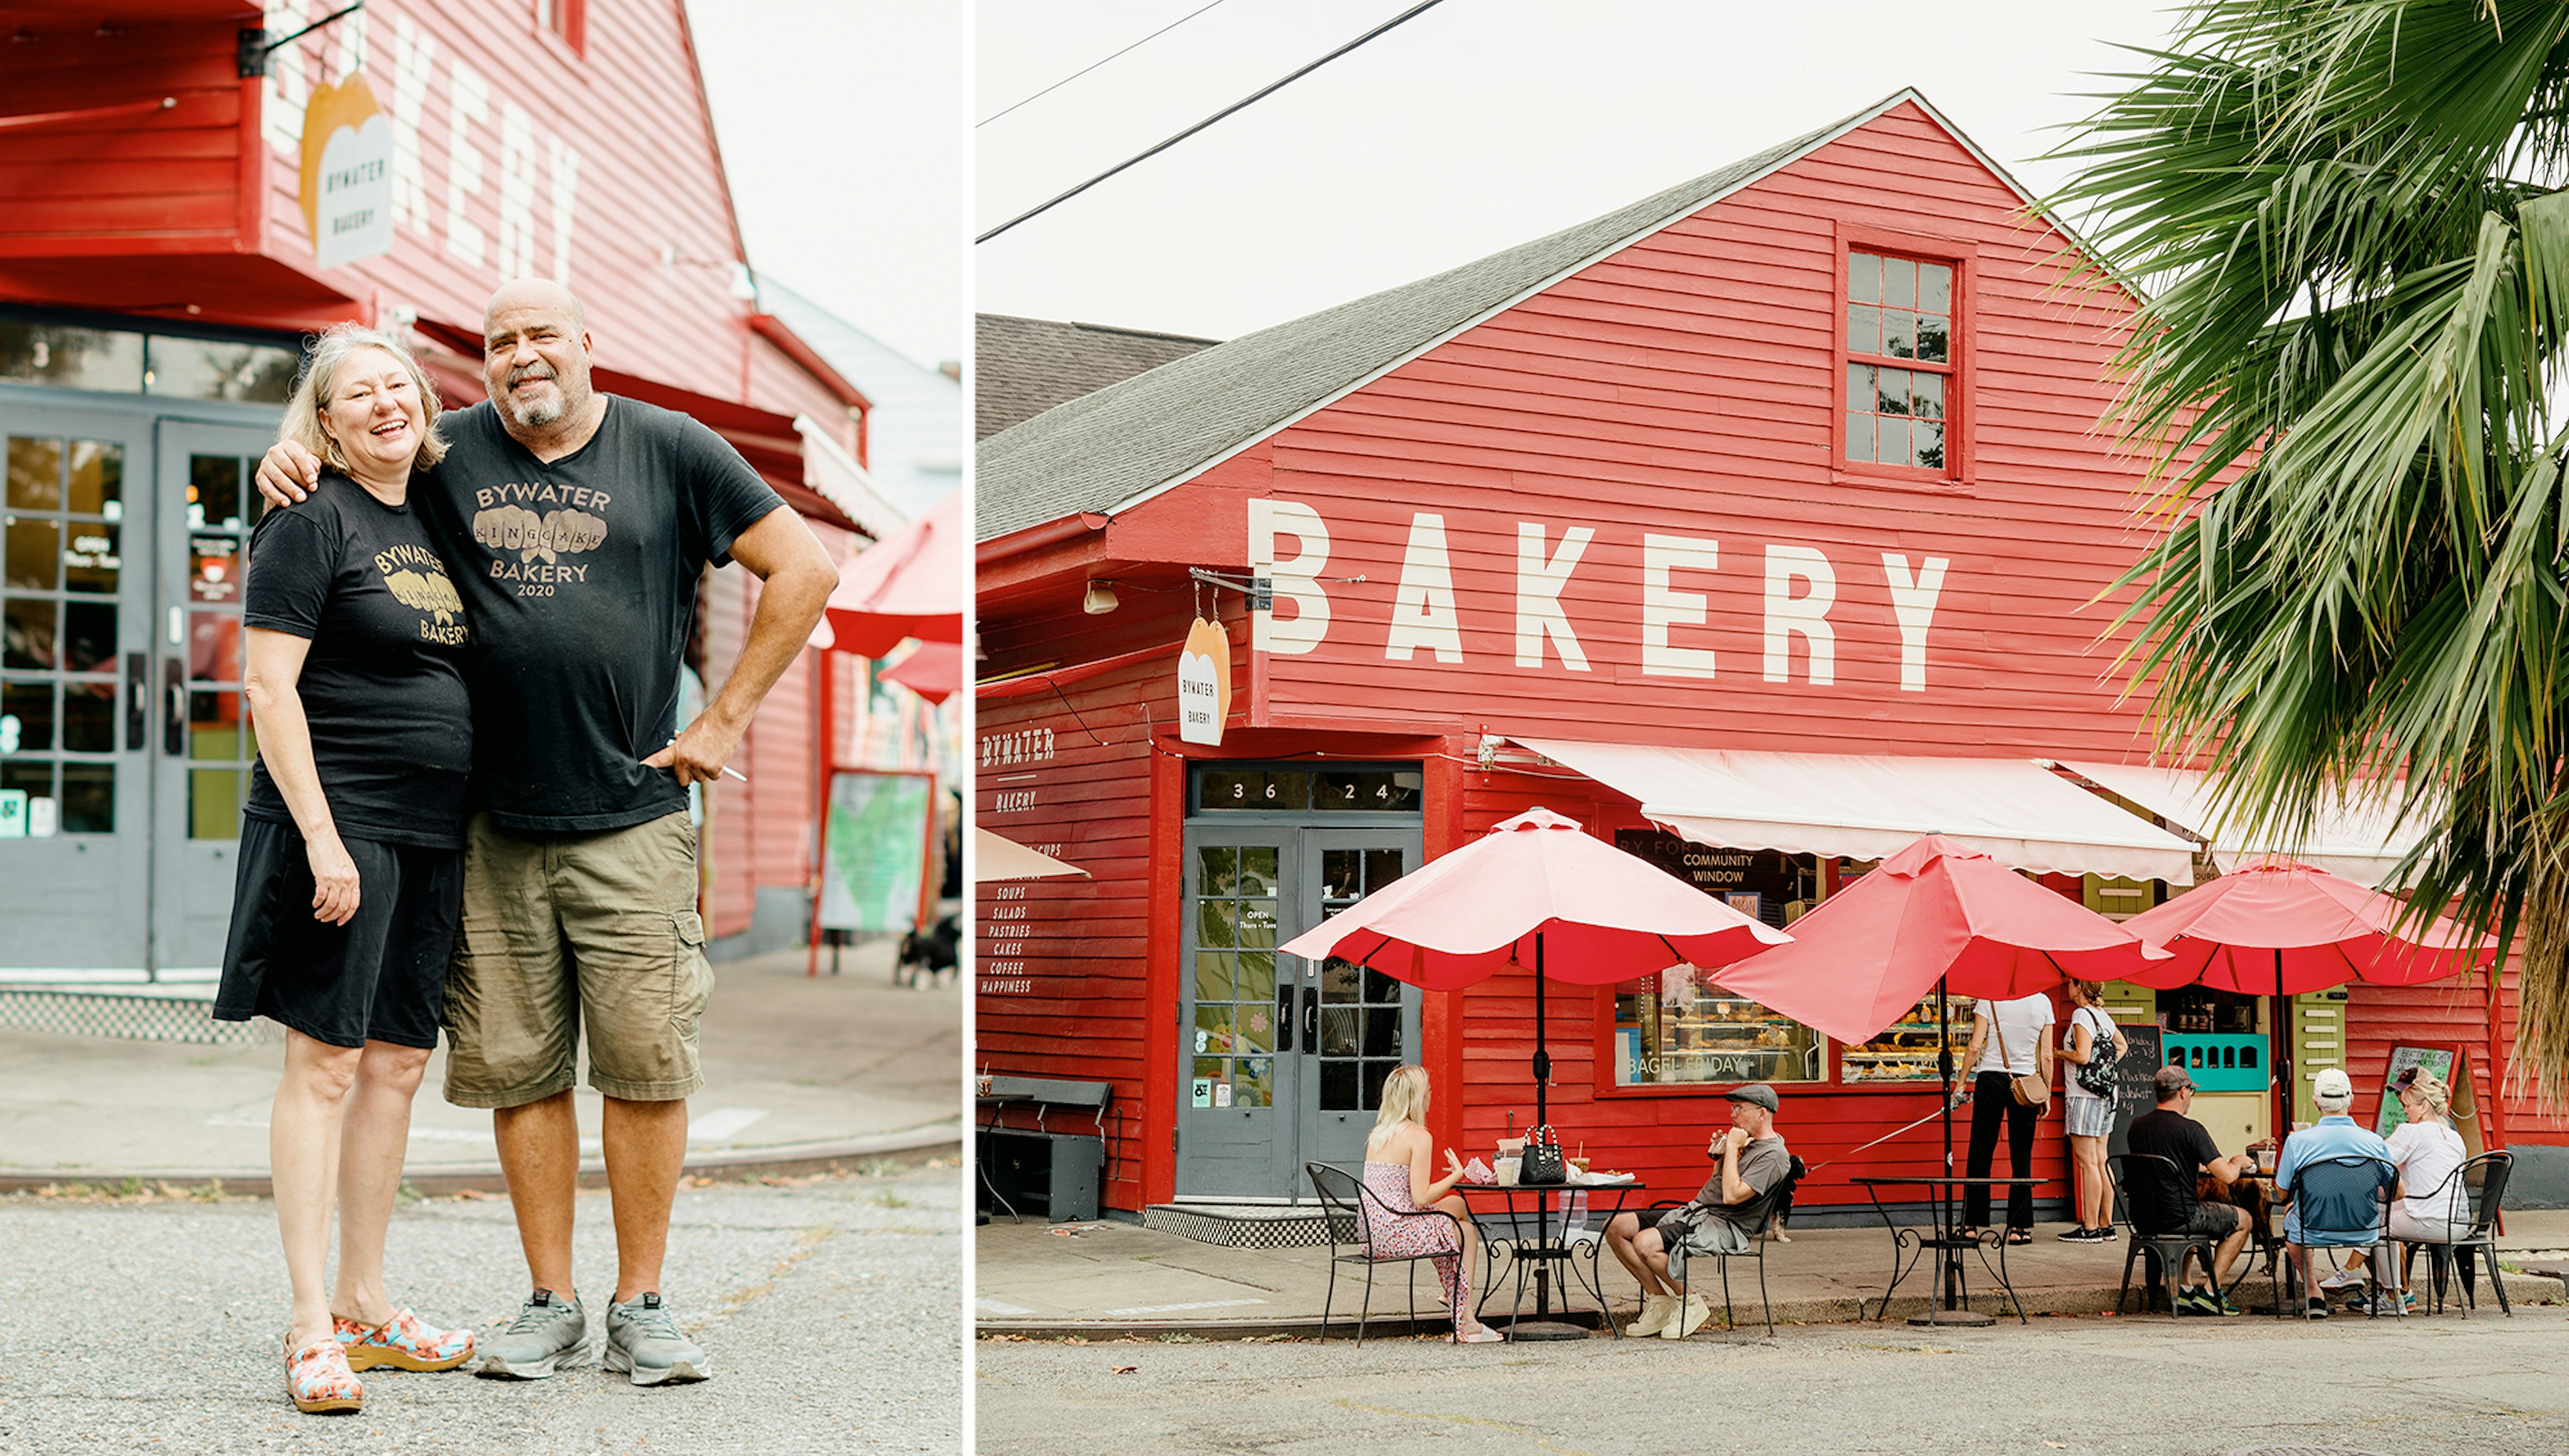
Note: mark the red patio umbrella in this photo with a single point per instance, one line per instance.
(1935, 917)
(934, 670)
(2275, 926)
(907, 585)
(1935, 914)
(1534, 884)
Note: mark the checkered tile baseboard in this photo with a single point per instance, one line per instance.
(116, 1013)
(1246, 1226)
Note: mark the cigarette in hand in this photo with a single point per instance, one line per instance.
(728, 770)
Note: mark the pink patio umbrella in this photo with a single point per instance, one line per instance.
(1535, 889)
(1937, 914)
(907, 585)
(1937, 917)
(2277, 927)
(934, 670)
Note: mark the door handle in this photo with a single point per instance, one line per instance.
(1312, 1021)
(1284, 1012)
(173, 729)
(138, 701)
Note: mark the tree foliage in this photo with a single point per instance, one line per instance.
(2349, 214)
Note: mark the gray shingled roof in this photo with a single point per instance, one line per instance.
(1022, 367)
(1160, 427)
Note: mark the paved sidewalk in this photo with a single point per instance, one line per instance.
(800, 1073)
(1108, 1279)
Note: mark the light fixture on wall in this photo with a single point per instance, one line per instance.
(1099, 599)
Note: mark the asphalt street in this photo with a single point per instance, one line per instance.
(830, 1306)
(2082, 1386)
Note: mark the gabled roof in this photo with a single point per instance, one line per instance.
(1022, 367)
(1112, 448)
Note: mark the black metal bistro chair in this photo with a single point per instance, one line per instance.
(2148, 1192)
(1758, 1218)
(2342, 1196)
(1352, 1211)
(2486, 1174)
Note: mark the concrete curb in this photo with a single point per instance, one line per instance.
(779, 1160)
(1834, 1310)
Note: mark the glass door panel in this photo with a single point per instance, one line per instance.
(75, 588)
(1359, 1023)
(207, 741)
(1235, 1024)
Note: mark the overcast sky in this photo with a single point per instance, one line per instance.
(842, 127)
(1479, 125)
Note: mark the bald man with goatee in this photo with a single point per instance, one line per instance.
(576, 525)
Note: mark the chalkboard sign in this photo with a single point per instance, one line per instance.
(2134, 1093)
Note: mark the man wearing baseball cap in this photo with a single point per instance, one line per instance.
(1753, 1161)
(2335, 1135)
(2163, 1205)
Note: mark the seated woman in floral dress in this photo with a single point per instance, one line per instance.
(1400, 1172)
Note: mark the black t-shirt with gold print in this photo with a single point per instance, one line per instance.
(382, 686)
(581, 575)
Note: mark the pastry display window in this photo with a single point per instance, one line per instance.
(1905, 1049)
(1678, 1028)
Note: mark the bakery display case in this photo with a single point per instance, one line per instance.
(1697, 1032)
(1905, 1049)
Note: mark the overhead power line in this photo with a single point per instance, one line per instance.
(1250, 100)
(1084, 70)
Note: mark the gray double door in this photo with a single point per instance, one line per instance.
(125, 744)
(1281, 1059)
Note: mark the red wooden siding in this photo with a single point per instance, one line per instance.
(1687, 385)
(1071, 773)
(125, 182)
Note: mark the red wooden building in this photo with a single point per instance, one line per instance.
(1754, 526)
(177, 205)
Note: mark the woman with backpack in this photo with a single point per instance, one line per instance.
(2092, 1049)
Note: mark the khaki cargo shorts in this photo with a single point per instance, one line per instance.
(566, 929)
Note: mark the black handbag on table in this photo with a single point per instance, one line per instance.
(1542, 1164)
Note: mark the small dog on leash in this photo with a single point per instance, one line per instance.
(929, 955)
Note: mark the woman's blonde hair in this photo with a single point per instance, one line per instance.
(321, 382)
(1405, 1099)
(2431, 1090)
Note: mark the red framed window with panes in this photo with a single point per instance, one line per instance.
(1901, 326)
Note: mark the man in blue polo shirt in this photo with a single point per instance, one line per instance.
(2347, 1204)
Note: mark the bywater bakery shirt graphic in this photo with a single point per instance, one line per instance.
(383, 682)
(580, 577)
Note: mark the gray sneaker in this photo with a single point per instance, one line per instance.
(642, 1339)
(548, 1332)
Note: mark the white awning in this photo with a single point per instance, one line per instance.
(1866, 807)
(2352, 837)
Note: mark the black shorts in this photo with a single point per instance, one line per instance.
(379, 977)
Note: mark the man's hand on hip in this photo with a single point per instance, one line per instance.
(288, 473)
(699, 752)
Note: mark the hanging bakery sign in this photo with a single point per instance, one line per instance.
(347, 173)
(1204, 684)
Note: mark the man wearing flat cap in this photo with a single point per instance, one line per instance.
(1753, 1161)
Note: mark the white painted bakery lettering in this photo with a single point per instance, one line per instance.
(1913, 602)
(1807, 613)
(1800, 593)
(1539, 583)
(1295, 579)
(1422, 612)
